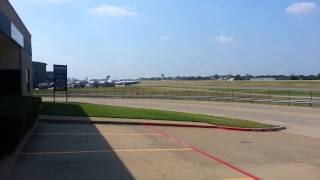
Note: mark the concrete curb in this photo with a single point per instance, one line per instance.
(164, 124)
(9, 160)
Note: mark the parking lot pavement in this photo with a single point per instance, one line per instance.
(272, 155)
(85, 151)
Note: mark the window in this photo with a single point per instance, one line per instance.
(28, 79)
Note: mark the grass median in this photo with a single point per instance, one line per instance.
(93, 110)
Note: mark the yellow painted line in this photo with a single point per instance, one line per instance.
(95, 134)
(152, 150)
(239, 179)
(105, 151)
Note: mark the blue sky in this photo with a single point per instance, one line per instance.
(143, 38)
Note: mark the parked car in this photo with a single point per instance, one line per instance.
(43, 86)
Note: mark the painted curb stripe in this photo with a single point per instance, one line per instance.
(165, 124)
(239, 179)
(203, 153)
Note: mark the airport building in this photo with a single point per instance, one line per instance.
(15, 53)
(39, 73)
(50, 76)
(263, 79)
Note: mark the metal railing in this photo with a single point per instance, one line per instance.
(292, 99)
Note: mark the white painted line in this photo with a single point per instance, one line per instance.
(95, 134)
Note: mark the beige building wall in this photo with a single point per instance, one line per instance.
(9, 54)
(12, 55)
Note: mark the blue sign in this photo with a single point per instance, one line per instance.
(60, 77)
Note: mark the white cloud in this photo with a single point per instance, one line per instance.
(114, 11)
(223, 39)
(166, 37)
(302, 8)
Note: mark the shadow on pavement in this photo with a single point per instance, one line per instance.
(59, 151)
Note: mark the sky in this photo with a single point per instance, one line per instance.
(145, 38)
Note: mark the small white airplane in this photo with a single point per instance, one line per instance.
(101, 82)
(126, 82)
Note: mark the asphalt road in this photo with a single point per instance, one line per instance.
(68, 151)
(299, 120)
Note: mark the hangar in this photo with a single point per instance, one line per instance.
(15, 53)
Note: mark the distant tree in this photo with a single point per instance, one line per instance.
(311, 77)
(238, 78)
(318, 76)
(294, 77)
(248, 76)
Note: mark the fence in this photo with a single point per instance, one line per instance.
(291, 98)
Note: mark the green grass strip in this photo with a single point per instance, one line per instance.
(93, 110)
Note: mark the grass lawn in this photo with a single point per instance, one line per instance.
(92, 110)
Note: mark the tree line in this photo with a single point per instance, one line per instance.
(239, 77)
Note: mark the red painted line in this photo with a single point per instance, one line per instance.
(217, 127)
(201, 152)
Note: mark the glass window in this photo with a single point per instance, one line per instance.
(28, 79)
